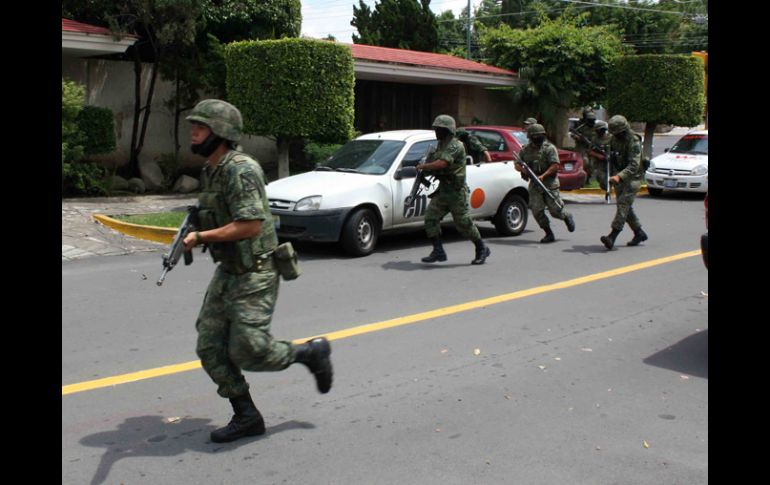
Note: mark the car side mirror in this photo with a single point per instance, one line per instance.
(406, 173)
(665, 150)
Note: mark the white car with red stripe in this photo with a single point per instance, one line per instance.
(359, 192)
(685, 167)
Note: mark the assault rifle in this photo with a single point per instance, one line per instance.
(170, 259)
(531, 174)
(420, 179)
(597, 152)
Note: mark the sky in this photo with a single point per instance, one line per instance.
(323, 17)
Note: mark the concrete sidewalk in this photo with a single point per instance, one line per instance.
(82, 236)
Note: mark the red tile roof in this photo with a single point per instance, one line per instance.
(425, 59)
(72, 26)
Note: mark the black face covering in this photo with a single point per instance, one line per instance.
(441, 133)
(537, 140)
(590, 122)
(209, 145)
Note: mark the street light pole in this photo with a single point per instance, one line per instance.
(468, 33)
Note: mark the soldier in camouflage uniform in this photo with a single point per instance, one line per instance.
(601, 139)
(625, 157)
(447, 164)
(473, 147)
(234, 322)
(529, 122)
(586, 128)
(541, 156)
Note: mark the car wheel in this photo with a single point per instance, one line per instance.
(511, 217)
(654, 192)
(359, 235)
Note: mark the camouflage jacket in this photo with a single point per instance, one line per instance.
(626, 153)
(235, 191)
(539, 159)
(452, 151)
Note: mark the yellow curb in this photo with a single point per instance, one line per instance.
(642, 191)
(151, 233)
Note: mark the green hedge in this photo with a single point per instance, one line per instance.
(292, 88)
(98, 128)
(662, 89)
(72, 98)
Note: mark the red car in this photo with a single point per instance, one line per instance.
(503, 141)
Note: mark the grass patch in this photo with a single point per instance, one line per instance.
(160, 219)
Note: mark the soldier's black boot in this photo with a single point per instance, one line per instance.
(437, 254)
(482, 252)
(570, 222)
(315, 355)
(247, 421)
(609, 239)
(639, 236)
(549, 237)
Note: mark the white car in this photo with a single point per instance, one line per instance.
(685, 167)
(360, 191)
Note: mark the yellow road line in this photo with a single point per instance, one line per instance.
(395, 322)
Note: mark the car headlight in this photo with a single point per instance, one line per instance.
(312, 203)
(700, 170)
(651, 168)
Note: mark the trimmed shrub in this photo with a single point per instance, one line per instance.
(82, 178)
(98, 128)
(292, 88)
(658, 89)
(72, 98)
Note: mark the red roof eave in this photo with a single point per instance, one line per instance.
(364, 52)
(81, 28)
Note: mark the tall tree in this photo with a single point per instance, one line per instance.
(658, 89)
(564, 65)
(404, 24)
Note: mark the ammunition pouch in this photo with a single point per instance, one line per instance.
(285, 259)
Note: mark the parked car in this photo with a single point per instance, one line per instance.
(684, 167)
(504, 141)
(704, 239)
(360, 191)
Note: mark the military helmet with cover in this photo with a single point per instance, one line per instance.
(529, 121)
(535, 129)
(618, 124)
(445, 121)
(221, 117)
(601, 125)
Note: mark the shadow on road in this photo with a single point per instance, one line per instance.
(154, 436)
(688, 356)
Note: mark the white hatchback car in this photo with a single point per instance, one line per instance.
(362, 190)
(685, 167)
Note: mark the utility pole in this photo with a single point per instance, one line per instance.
(468, 33)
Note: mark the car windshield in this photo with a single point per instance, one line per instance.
(693, 144)
(520, 136)
(364, 156)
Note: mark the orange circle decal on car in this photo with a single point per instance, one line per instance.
(477, 198)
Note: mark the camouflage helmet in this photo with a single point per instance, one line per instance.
(587, 110)
(530, 121)
(445, 121)
(601, 125)
(590, 115)
(221, 117)
(618, 124)
(535, 129)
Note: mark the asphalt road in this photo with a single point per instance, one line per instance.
(603, 380)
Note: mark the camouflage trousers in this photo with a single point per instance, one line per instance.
(234, 329)
(538, 202)
(600, 172)
(455, 201)
(624, 212)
